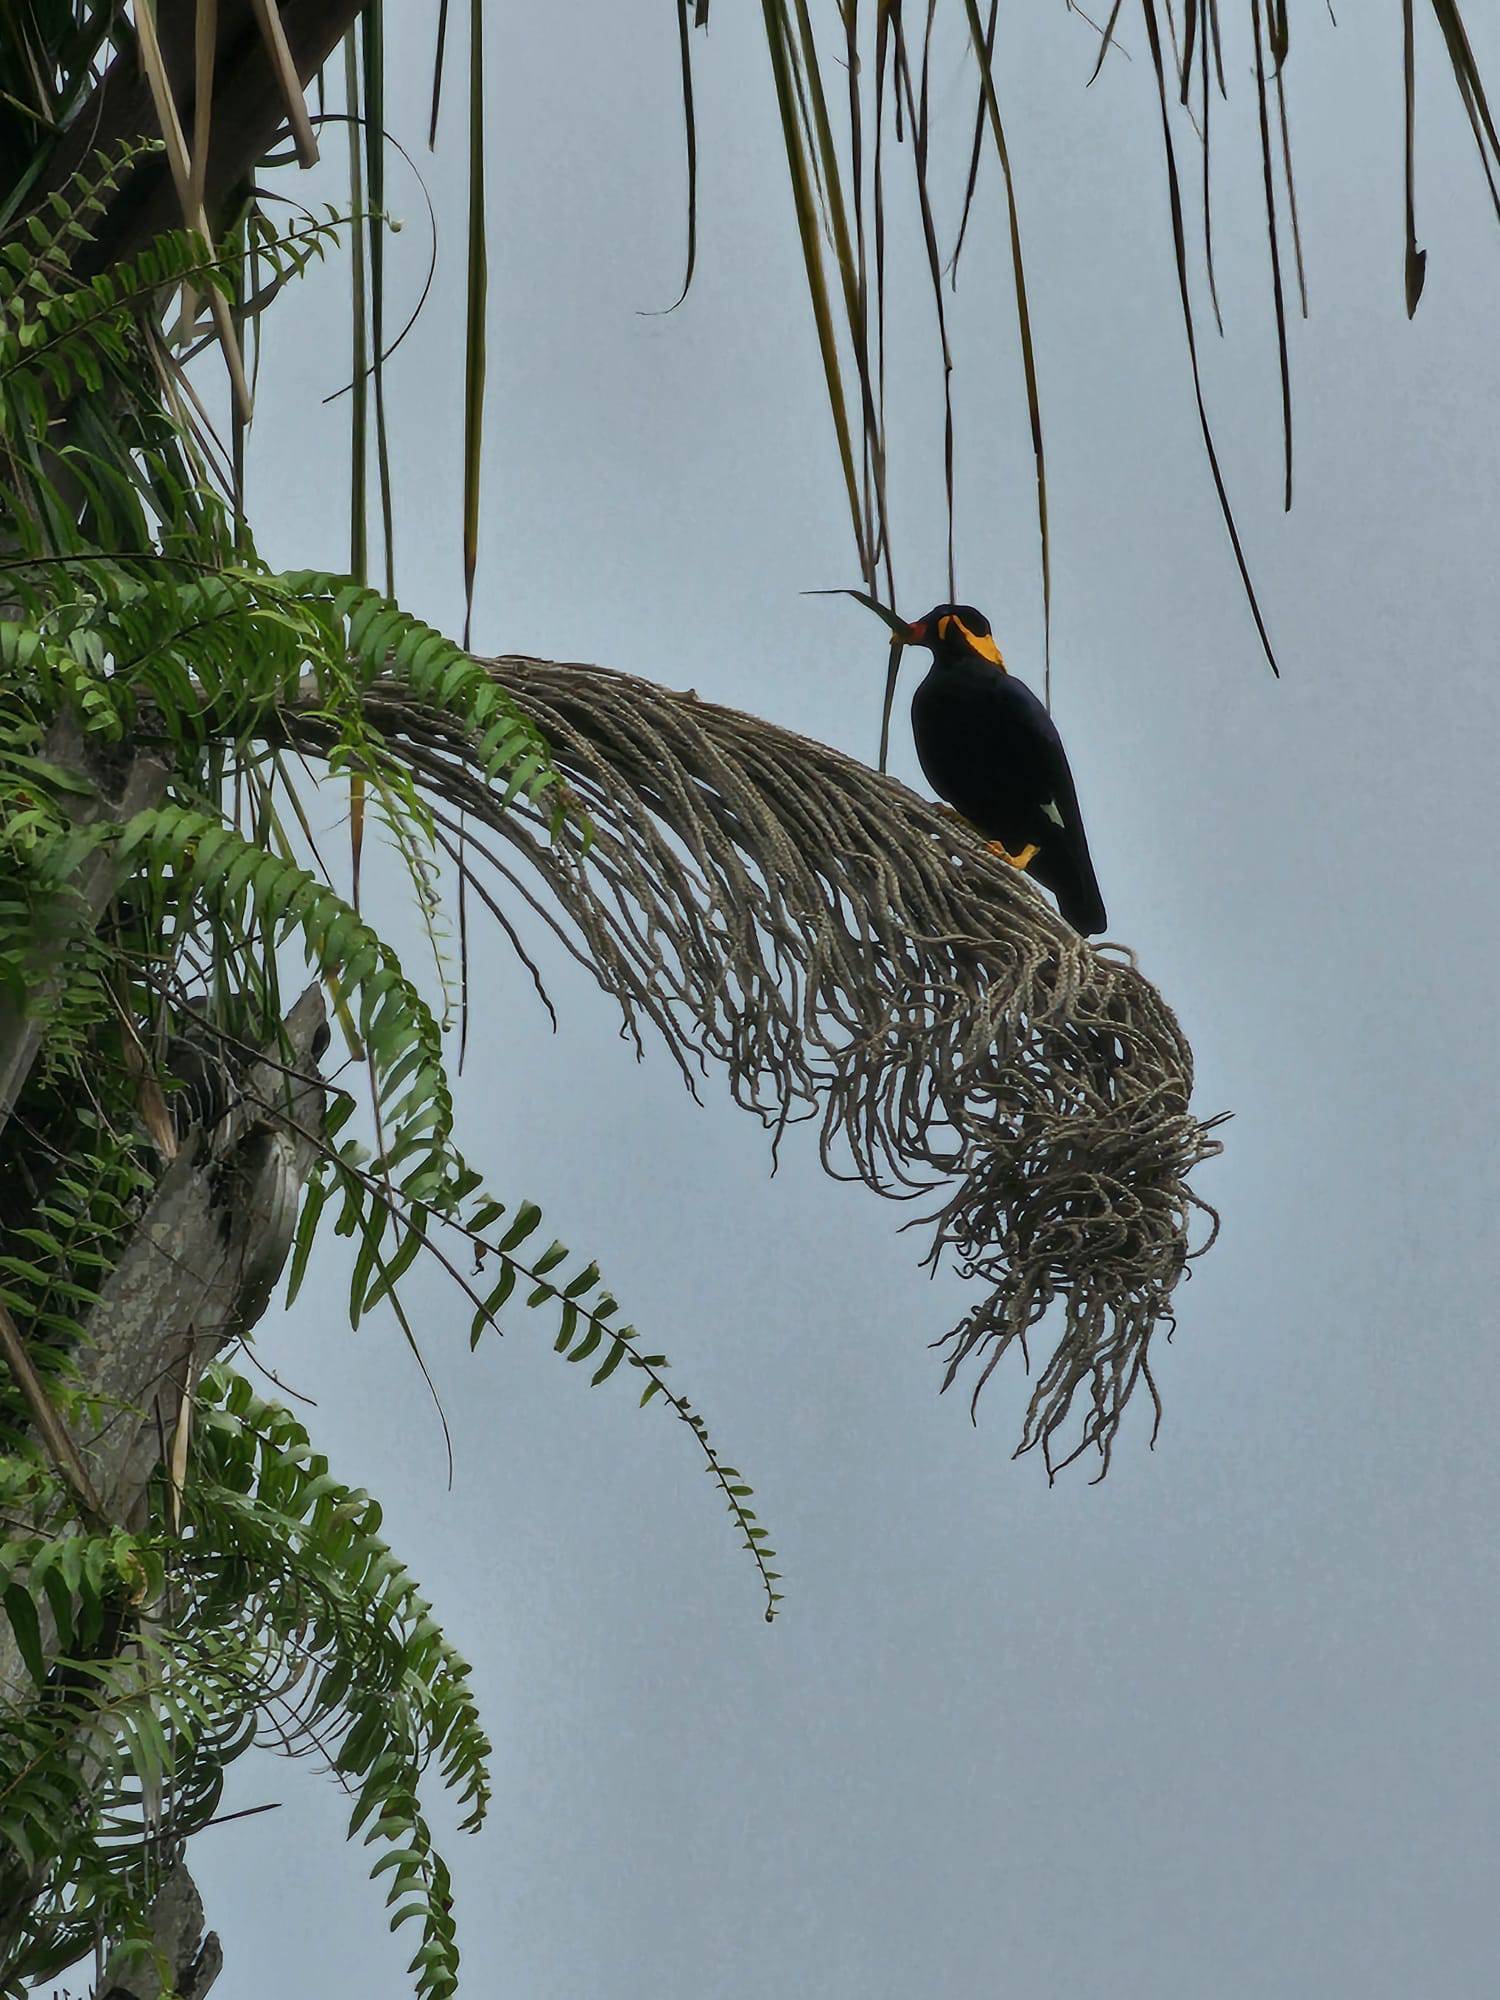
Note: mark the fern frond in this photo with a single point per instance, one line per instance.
(204, 857)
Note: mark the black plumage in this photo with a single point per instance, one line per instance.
(989, 747)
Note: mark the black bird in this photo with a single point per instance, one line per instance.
(989, 747)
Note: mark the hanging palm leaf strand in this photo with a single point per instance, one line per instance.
(851, 954)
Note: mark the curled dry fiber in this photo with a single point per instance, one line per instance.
(848, 951)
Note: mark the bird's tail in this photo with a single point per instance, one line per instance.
(1071, 879)
(1084, 909)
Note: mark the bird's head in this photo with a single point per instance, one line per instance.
(954, 633)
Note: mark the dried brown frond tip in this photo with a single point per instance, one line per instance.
(849, 952)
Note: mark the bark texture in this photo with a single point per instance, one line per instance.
(178, 1930)
(118, 793)
(197, 1274)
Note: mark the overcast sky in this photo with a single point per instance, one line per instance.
(1224, 1725)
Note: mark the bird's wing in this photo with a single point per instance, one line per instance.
(1064, 864)
(1050, 779)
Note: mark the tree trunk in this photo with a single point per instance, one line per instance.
(144, 782)
(197, 1274)
(213, 1242)
(177, 1931)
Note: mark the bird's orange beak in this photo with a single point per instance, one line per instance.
(916, 635)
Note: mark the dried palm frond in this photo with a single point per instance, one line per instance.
(851, 953)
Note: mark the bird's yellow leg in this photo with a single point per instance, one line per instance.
(1022, 859)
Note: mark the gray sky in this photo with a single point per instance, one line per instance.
(1225, 1724)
